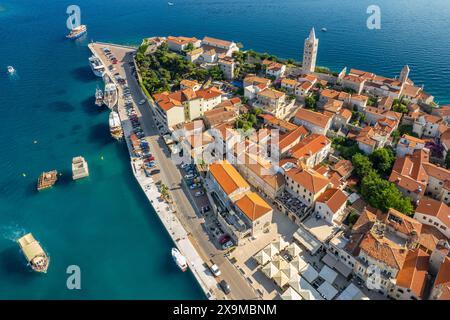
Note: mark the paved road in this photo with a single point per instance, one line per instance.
(171, 176)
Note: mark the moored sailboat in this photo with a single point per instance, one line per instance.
(98, 97)
(110, 96)
(115, 126)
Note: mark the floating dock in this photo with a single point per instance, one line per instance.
(79, 168)
(47, 180)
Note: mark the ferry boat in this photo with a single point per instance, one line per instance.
(115, 126)
(33, 252)
(110, 96)
(80, 168)
(77, 32)
(98, 97)
(179, 259)
(11, 70)
(97, 66)
(47, 180)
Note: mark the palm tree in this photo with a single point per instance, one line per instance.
(164, 191)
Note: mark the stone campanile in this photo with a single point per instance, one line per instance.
(310, 52)
(404, 74)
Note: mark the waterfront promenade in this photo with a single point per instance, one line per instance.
(185, 226)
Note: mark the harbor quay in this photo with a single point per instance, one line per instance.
(177, 217)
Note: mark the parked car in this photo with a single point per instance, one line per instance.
(225, 286)
(195, 186)
(215, 270)
(224, 239)
(205, 209)
(189, 176)
(199, 193)
(227, 245)
(142, 102)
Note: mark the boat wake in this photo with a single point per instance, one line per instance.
(12, 232)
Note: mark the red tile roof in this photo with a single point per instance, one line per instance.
(333, 198)
(413, 274)
(309, 179)
(309, 146)
(315, 118)
(435, 208)
(253, 206)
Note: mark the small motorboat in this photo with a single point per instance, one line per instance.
(179, 259)
(324, 29)
(11, 70)
(170, 3)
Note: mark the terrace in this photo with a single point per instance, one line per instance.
(293, 205)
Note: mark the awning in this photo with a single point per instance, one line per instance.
(309, 273)
(352, 293)
(327, 290)
(327, 274)
(337, 265)
(291, 294)
(343, 269)
(329, 260)
(307, 240)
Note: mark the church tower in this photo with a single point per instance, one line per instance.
(404, 74)
(310, 52)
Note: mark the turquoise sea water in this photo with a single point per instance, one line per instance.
(104, 223)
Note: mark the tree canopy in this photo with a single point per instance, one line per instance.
(382, 160)
(379, 192)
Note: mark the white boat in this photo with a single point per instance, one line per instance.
(98, 97)
(170, 3)
(33, 252)
(80, 168)
(115, 126)
(324, 29)
(11, 70)
(77, 32)
(97, 66)
(179, 259)
(110, 95)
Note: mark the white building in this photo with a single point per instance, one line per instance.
(408, 144)
(306, 184)
(434, 213)
(313, 121)
(330, 204)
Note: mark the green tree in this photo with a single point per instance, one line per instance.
(290, 61)
(383, 195)
(399, 106)
(352, 218)
(362, 165)
(257, 111)
(407, 129)
(382, 160)
(447, 160)
(372, 101)
(310, 102)
(216, 73)
(189, 47)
